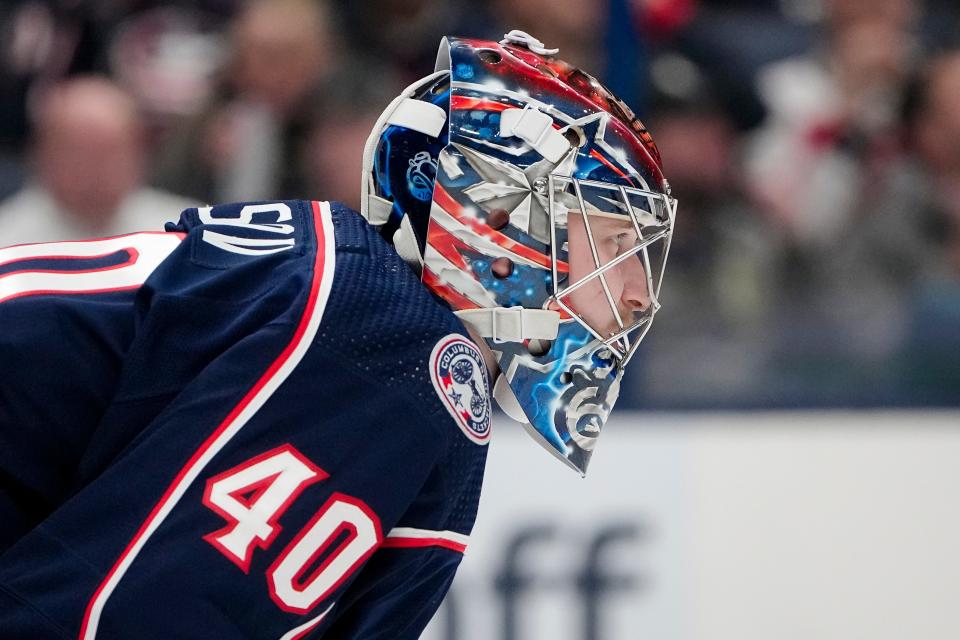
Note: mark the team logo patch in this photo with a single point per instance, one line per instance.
(460, 378)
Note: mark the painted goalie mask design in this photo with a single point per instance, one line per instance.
(548, 227)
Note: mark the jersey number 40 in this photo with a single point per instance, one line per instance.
(253, 496)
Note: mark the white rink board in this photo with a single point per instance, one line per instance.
(793, 526)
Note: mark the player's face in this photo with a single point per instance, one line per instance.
(626, 282)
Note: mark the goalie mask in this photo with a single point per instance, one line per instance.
(532, 201)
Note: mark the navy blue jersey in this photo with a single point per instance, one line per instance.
(257, 424)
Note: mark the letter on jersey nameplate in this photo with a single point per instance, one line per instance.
(242, 217)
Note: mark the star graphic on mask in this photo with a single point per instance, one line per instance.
(523, 192)
(456, 397)
(594, 128)
(505, 186)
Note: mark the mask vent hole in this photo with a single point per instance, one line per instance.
(489, 56)
(502, 268)
(574, 136)
(539, 348)
(547, 71)
(498, 219)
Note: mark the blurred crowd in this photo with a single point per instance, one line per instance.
(814, 146)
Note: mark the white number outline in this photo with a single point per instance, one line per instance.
(243, 530)
(287, 570)
(341, 514)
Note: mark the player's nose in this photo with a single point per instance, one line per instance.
(636, 294)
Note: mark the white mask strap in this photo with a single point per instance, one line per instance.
(536, 129)
(418, 115)
(514, 324)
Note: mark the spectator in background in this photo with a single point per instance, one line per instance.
(933, 119)
(249, 142)
(335, 145)
(716, 309)
(731, 40)
(830, 114)
(884, 328)
(921, 225)
(88, 163)
(814, 169)
(406, 33)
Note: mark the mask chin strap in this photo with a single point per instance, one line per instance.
(513, 324)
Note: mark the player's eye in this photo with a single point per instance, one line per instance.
(624, 241)
(612, 244)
